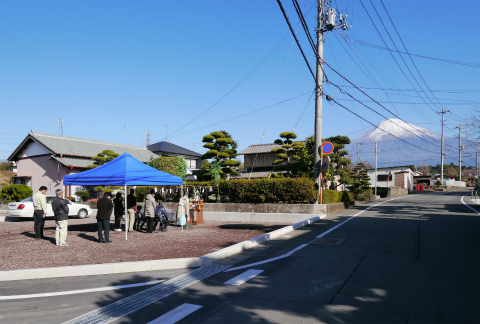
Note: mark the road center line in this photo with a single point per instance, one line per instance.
(268, 260)
(304, 245)
(81, 291)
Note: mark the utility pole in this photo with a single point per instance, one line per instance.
(326, 21)
(476, 163)
(317, 172)
(376, 152)
(166, 133)
(443, 112)
(358, 152)
(459, 152)
(148, 138)
(60, 127)
(375, 168)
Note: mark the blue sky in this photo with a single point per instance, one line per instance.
(115, 70)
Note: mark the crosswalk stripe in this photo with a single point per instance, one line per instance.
(176, 314)
(244, 277)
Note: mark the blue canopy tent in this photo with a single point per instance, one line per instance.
(125, 170)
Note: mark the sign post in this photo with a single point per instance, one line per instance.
(325, 148)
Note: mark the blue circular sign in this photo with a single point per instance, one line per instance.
(327, 147)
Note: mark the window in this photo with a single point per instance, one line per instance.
(384, 177)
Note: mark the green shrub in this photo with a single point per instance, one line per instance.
(287, 190)
(83, 195)
(72, 199)
(15, 192)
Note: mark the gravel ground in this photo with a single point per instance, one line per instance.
(21, 251)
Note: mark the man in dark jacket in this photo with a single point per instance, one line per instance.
(131, 209)
(60, 212)
(104, 211)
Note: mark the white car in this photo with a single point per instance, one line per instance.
(24, 208)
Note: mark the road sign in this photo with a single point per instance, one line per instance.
(327, 147)
(325, 163)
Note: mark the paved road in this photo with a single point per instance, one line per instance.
(408, 260)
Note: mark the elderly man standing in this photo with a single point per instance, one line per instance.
(39, 211)
(60, 211)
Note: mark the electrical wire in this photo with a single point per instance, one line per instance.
(234, 87)
(396, 62)
(470, 64)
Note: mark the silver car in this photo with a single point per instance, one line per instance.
(24, 208)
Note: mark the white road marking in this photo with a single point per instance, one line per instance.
(244, 277)
(469, 206)
(81, 291)
(176, 314)
(304, 245)
(268, 260)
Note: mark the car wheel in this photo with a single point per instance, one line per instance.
(82, 213)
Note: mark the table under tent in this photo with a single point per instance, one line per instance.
(125, 171)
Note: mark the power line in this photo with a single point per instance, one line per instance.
(476, 65)
(235, 87)
(396, 62)
(295, 36)
(332, 99)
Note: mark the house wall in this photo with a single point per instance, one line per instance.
(43, 172)
(405, 173)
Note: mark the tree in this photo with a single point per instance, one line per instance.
(338, 159)
(6, 166)
(103, 158)
(359, 184)
(287, 151)
(82, 194)
(167, 164)
(221, 148)
(424, 169)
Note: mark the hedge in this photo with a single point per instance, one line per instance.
(280, 190)
(333, 196)
(15, 192)
(276, 190)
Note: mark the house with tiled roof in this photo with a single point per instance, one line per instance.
(44, 159)
(258, 161)
(193, 159)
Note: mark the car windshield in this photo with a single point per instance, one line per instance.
(26, 199)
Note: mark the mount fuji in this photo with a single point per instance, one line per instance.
(401, 143)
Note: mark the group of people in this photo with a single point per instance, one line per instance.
(152, 215)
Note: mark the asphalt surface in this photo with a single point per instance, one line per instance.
(409, 260)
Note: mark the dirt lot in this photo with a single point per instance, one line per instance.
(19, 249)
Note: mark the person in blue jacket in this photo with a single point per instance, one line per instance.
(161, 217)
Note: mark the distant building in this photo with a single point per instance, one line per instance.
(258, 161)
(395, 176)
(193, 159)
(167, 149)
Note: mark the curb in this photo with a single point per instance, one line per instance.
(165, 264)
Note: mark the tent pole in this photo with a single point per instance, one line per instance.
(126, 214)
(181, 203)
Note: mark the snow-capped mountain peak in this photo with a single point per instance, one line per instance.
(396, 127)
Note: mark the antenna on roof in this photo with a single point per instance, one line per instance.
(60, 126)
(148, 137)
